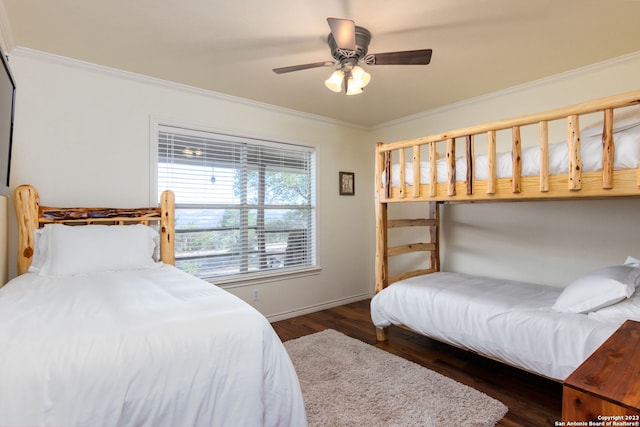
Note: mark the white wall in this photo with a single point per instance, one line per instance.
(543, 242)
(82, 137)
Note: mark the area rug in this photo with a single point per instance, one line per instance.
(346, 382)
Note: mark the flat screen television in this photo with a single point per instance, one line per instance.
(7, 105)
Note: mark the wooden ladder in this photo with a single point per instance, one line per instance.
(383, 251)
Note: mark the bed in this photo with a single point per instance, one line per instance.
(95, 331)
(501, 319)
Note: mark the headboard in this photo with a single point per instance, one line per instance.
(32, 216)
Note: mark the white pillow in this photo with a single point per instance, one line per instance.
(40, 250)
(601, 288)
(632, 261)
(83, 249)
(623, 119)
(628, 309)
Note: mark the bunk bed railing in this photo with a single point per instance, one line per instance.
(516, 186)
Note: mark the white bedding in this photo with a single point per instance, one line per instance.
(508, 320)
(626, 155)
(154, 347)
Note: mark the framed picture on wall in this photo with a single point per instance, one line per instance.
(347, 182)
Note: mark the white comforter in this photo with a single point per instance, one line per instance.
(509, 320)
(626, 155)
(152, 347)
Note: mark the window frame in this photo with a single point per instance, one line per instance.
(244, 279)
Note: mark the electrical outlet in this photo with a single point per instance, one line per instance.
(256, 294)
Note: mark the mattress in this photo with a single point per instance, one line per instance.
(626, 155)
(153, 347)
(508, 320)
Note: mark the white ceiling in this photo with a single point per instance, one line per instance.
(231, 46)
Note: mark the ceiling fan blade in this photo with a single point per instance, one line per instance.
(282, 70)
(344, 32)
(407, 57)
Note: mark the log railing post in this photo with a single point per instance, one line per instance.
(608, 150)
(470, 165)
(491, 162)
(451, 166)
(416, 171)
(433, 170)
(544, 156)
(516, 157)
(573, 146)
(403, 176)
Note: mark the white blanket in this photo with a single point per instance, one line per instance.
(152, 347)
(626, 155)
(508, 320)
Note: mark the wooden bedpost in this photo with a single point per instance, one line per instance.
(381, 247)
(381, 274)
(26, 202)
(434, 236)
(167, 228)
(381, 257)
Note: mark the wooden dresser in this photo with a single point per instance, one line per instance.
(606, 387)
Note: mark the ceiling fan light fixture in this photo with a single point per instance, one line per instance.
(334, 82)
(354, 80)
(352, 87)
(360, 77)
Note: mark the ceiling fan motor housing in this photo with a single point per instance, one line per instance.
(346, 56)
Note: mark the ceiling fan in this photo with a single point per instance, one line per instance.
(349, 44)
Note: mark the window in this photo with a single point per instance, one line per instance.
(244, 207)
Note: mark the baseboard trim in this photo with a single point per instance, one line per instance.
(316, 307)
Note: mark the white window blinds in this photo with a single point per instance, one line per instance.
(243, 206)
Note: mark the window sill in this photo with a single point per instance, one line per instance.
(239, 282)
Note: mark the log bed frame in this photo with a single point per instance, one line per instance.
(574, 184)
(32, 216)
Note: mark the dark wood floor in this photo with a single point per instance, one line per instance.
(532, 400)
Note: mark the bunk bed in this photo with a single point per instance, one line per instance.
(542, 329)
(100, 329)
